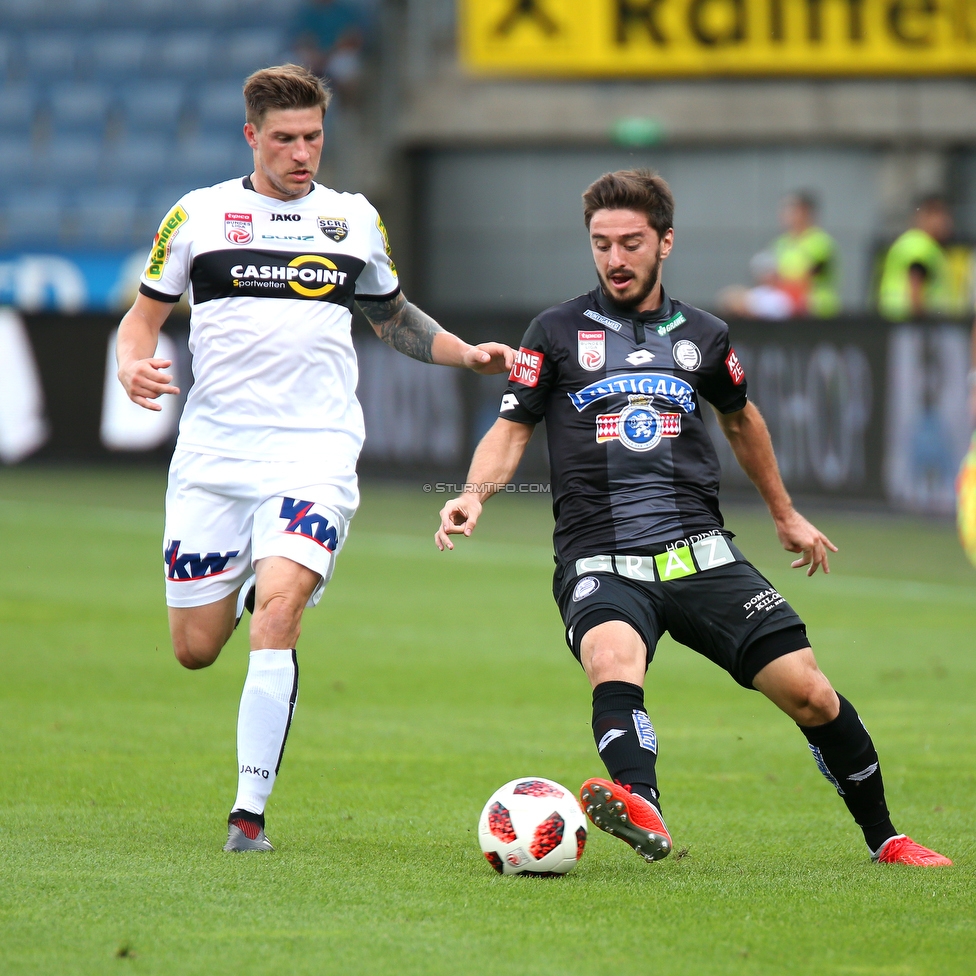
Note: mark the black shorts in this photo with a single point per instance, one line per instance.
(730, 614)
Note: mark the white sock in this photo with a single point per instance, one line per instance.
(267, 706)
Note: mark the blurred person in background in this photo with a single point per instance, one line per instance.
(915, 280)
(767, 299)
(328, 37)
(806, 258)
(972, 377)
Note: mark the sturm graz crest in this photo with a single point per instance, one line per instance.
(335, 228)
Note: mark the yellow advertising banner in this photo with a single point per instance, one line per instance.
(718, 37)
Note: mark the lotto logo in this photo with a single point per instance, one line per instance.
(527, 368)
(188, 566)
(303, 521)
(734, 367)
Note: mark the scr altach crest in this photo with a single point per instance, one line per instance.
(335, 228)
(639, 427)
(238, 228)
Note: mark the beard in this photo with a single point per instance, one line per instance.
(645, 285)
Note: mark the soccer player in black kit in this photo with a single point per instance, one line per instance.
(619, 375)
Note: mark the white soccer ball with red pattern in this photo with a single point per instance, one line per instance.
(532, 826)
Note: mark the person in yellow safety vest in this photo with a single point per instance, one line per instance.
(806, 257)
(915, 278)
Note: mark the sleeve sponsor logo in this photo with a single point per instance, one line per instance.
(386, 243)
(238, 228)
(668, 388)
(527, 368)
(163, 241)
(509, 402)
(734, 367)
(335, 228)
(591, 350)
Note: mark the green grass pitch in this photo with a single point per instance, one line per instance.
(428, 680)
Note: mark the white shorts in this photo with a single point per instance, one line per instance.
(224, 514)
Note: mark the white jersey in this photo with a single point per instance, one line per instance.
(271, 287)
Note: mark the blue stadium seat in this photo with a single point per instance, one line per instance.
(79, 107)
(7, 48)
(143, 158)
(15, 160)
(33, 217)
(48, 54)
(70, 157)
(211, 159)
(153, 107)
(185, 53)
(245, 51)
(220, 106)
(118, 53)
(18, 107)
(103, 217)
(155, 204)
(87, 11)
(16, 11)
(160, 200)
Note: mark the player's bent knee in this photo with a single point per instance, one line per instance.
(199, 633)
(814, 701)
(195, 658)
(613, 651)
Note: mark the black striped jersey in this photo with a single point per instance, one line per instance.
(271, 286)
(632, 465)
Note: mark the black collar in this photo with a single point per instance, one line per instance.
(664, 311)
(248, 185)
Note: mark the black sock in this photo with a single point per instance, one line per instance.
(846, 755)
(625, 737)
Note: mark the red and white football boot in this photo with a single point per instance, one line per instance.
(626, 815)
(903, 850)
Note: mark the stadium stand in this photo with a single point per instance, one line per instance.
(111, 109)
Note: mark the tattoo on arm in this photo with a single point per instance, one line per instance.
(403, 326)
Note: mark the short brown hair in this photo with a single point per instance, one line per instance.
(632, 189)
(285, 86)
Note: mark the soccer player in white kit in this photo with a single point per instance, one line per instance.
(262, 485)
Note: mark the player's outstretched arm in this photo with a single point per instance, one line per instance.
(747, 433)
(410, 330)
(139, 372)
(492, 467)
